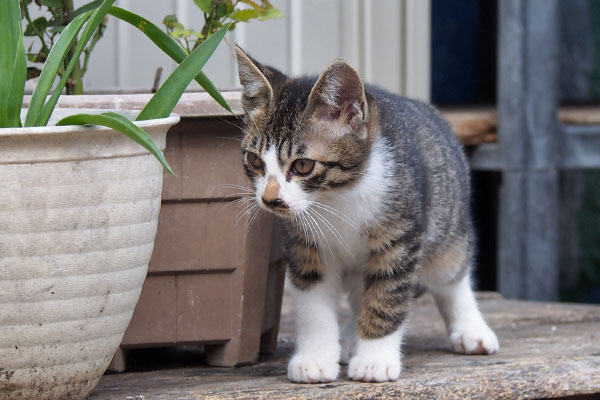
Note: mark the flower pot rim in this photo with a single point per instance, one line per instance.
(191, 104)
(52, 129)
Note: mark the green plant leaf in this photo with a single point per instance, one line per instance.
(120, 123)
(86, 7)
(271, 13)
(57, 29)
(13, 64)
(167, 96)
(204, 5)
(253, 5)
(229, 5)
(90, 27)
(245, 14)
(220, 10)
(51, 3)
(50, 69)
(170, 47)
(38, 24)
(170, 21)
(83, 9)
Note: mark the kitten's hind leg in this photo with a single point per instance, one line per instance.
(447, 278)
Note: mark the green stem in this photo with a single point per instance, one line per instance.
(75, 86)
(97, 36)
(35, 29)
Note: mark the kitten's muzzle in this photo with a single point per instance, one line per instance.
(276, 204)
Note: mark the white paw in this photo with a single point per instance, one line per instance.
(312, 369)
(474, 339)
(375, 369)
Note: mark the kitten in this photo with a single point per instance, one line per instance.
(373, 191)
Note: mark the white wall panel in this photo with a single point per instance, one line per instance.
(103, 67)
(386, 40)
(383, 45)
(320, 32)
(139, 58)
(268, 41)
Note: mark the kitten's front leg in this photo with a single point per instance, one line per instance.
(389, 287)
(315, 296)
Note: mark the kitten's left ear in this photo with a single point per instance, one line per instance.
(258, 81)
(339, 97)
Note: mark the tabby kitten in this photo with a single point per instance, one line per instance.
(373, 191)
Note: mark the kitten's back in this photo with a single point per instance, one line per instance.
(428, 154)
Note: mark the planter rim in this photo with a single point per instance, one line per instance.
(191, 104)
(66, 129)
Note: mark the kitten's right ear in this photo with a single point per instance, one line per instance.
(257, 93)
(338, 99)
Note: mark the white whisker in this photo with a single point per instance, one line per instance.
(244, 210)
(337, 213)
(256, 212)
(311, 218)
(234, 186)
(332, 229)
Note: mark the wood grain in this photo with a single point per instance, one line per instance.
(546, 350)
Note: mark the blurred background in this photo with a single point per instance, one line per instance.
(442, 51)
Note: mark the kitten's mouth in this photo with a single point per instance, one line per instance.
(277, 207)
(282, 212)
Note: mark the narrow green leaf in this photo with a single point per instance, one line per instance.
(89, 29)
(13, 64)
(170, 47)
(81, 10)
(86, 7)
(204, 5)
(167, 96)
(120, 123)
(54, 62)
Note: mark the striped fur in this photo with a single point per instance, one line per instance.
(387, 199)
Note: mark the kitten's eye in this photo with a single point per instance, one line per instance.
(303, 166)
(255, 161)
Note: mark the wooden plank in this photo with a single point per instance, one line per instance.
(473, 126)
(547, 350)
(478, 125)
(580, 115)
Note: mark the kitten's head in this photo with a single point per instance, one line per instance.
(306, 138)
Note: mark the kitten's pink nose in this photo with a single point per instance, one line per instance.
(271, 190)
(271, 194)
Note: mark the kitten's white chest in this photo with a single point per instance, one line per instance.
(347, 213)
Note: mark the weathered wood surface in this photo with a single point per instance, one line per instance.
(548, 350)
(480, 124)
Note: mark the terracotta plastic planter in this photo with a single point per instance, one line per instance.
(211, 280)
(78, 216)
(209, 273)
